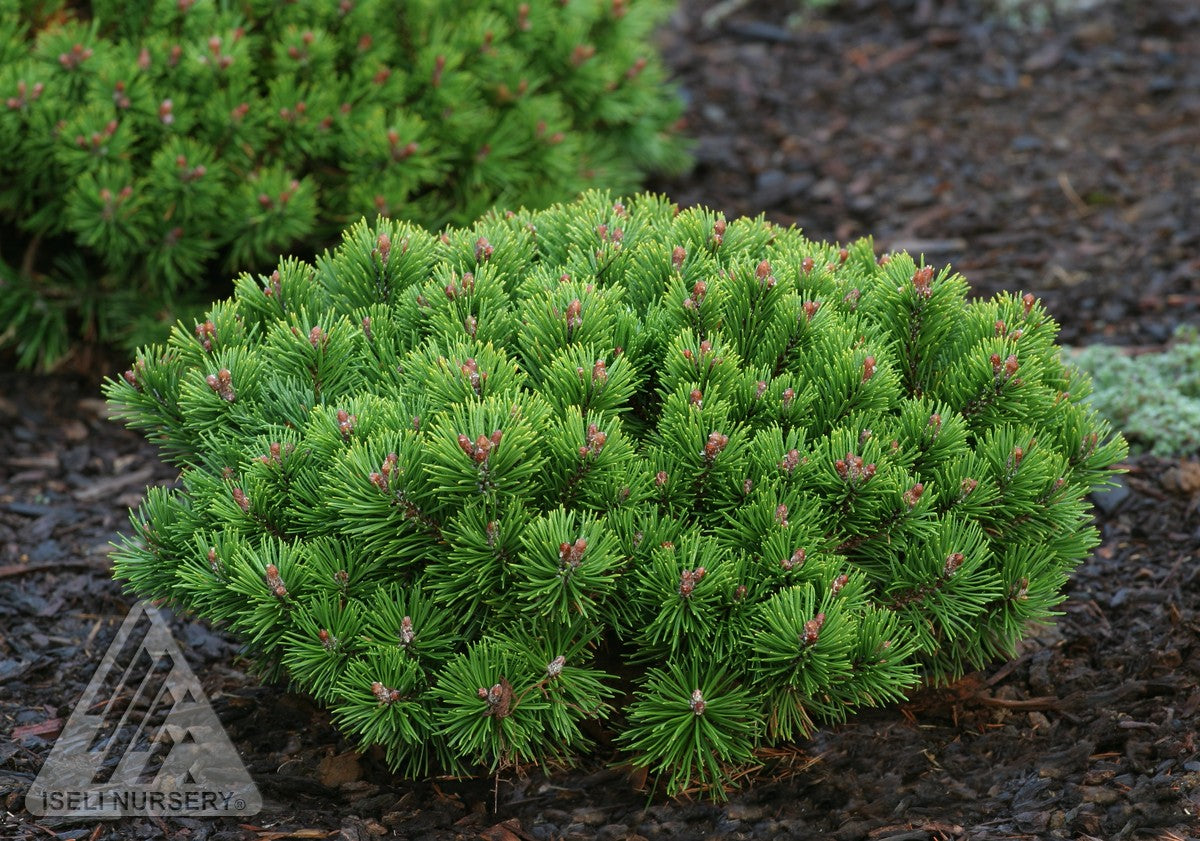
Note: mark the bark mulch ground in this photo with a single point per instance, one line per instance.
(1060, 160)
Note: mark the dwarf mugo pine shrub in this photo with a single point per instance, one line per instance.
(467, 489)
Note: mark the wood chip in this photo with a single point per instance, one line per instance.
(107, 487)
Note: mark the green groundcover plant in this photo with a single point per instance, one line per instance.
(703, 480)
(1153, 398)
(149, 147)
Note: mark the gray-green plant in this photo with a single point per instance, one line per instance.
(1153, 398)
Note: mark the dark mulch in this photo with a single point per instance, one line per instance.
(1061, 161)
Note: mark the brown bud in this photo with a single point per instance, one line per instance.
(922, 281)
(812, 629)
(953, 561)
(718, 234)
(483, 250)
(275, 582)
(868, 369)
(243, 502)
(346, 423)
(385, 695)
(222, 383)
(795, 561)
(678, 256)
(716, 443)
(406, 632)
(790, 460)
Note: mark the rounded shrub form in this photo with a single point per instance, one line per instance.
(469, 489)
(148, 147)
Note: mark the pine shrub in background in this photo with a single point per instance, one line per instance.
(470, 489)
(147, 148)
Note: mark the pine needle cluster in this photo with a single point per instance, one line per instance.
(149, 147)
(704, 480)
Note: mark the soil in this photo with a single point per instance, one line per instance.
(1060, 160)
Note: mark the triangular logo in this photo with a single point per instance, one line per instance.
(143, 740)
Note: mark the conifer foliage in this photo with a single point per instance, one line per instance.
(471, 489)
(147, 147)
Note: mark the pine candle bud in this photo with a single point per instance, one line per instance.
(868, 368)
(384, 695)
(697, 702)
(838, 583)
(596, 440)
(206, 333)
(688, 580)
(795, 561)
(790, 461)
(718, 233)
(764, 276)
(953, 561)
(381, 479)
(699, 290)
(275, 582)
(852, 470)
(470, 369)
(239, 497)
(571, 555)
(812, 629)
(346, 423)
(695, 398)
(781, 515)
(499, 699)
(678, 255)
(599, 372)
(327, 640)
(406, 632)
(788, 396)
(922, 281)
(554, 667)
(481, 449)
(716, 443)
(810, 309)
(913, 495)
(222, 383)
(660, 478)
